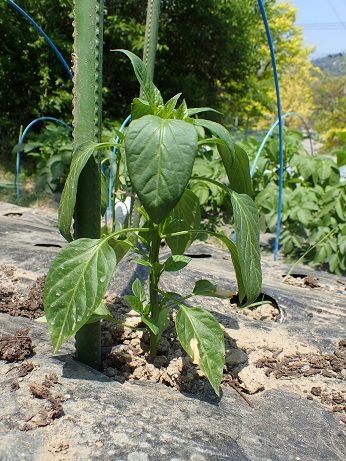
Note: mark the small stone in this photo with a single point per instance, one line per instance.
(236, 357)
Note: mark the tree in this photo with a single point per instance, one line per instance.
(296, 72)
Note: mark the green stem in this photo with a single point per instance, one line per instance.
(153, 289)
(88, 43)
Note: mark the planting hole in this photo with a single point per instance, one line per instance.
(48, 245)
(265, 307)
(196, 256)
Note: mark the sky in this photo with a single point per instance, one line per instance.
(324, 25)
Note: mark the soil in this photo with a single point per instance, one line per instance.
(253, 363)
(306, 281)
(127, 359)
(16, 347)
(299, 365)
(48, 413)
(17, 301)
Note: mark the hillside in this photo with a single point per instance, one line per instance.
(334, 64)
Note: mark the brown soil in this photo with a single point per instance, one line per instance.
(300, 365)
(254, 361)
(304, 281)
(128, 356)
(47, 414)
(19, 302)
(262, 312)
(16, 347)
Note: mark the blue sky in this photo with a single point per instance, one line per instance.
(324, 24)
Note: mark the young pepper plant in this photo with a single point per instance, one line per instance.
(160, 146)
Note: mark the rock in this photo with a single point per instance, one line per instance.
(236, 357)
(253, 379)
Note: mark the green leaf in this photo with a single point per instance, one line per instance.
(138, 290)
(242, 288)
(140, 108)
(168, 109)
(186, 215)
(163, 320)
(176, 263)
(134, 303)
(240, 181)
(150, 324)
(341, 158)
(101, 313)
(182, 112)
(198, 110)
(202, 338)
(76, 283)
(69, 194)
(204, 288)
(142, 262)
(247, 242)
(207, 288)
(160, 155)
(120, 247)
(234, 157)
(150, 91)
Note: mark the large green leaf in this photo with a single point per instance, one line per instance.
(246, 222)
(201, 336)
(160, 154)
(233, 156)
(186, 215)
(150, 91)
(243, 289)
(69, 194)
(75, 286)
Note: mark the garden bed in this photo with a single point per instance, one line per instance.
(283, 395)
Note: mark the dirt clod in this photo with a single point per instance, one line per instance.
(24, 369)
(17, 301)
(316, 391)
(16, 347)
(45, 416)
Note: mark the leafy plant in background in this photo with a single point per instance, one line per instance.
(314, 202)
(52, 151)
(160, 147)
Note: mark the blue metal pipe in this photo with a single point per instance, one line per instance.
(278, 100)
(21, 141)
(13, 5)
(272, 128)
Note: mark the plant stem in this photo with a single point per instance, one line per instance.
(88, 43)
(153, 289)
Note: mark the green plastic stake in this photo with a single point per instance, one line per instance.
(87, 106)
(150, 38)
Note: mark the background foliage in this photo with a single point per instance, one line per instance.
(214, 51)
